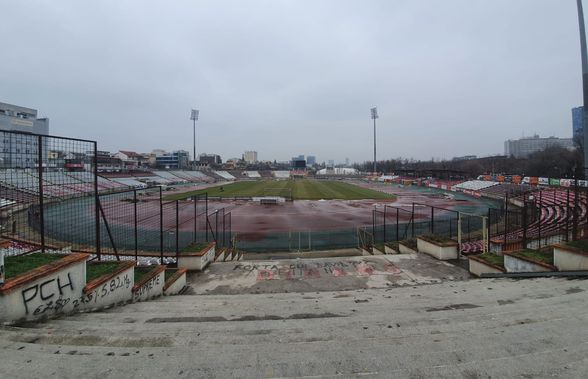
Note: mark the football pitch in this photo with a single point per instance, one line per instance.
(299, 190)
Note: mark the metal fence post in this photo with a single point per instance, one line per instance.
(195, 237)
(525, 209)
(505, 219)
(397, 227)
(161, 224)
(568, 215)
(384, 224)
(539, 217)
(412, 220)
(177, 230)
(216, 226)
(41, 195)
(136, 224)
(96, 203)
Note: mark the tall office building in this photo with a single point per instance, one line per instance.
(311, 160)
(522, 148)
(578, 124)
(250, 156)
(20, 150)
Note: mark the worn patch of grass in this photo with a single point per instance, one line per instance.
(580, 244)
(492, 258)
(410, 243)
(141, 271)
(537, 255)
(437, 238)
(301, 190)
(20, 264)
(169, 272)
(96, 270)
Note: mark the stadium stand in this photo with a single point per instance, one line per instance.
(501, 190)
(253, 174)
(182, 175)
(225, 175)
(6, 203)
(130, 182)
(199, 176)
(475, 185)
(157, 180)
(281, 174)
(171, 178)
(266, 174)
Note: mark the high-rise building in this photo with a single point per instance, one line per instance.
(311, 160)
(526, 146)
(578, 124)
(250, 156)
(19, 150)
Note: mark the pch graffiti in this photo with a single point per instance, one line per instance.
(46, 291)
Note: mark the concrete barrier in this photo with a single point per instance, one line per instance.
(150, 286)
(47, 291)
(403, 249)
(514, 263)
(439, 250)
(220, 255)
(115, 288)
(198, 260)
(175, 283)
(389, 250)
(479, 266)
(567, 258)
(376, 251)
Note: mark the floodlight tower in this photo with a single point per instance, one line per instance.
(194, 116)
(584, 84)
(374, 111)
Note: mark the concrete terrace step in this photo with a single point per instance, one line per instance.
(476, 328)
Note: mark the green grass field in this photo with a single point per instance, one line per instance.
(300, 189)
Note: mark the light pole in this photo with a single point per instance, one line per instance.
(374, 111)
(194, 116)
(584, 83)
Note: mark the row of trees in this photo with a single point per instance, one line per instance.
(553, 162)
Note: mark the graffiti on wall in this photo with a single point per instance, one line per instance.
(316, 270)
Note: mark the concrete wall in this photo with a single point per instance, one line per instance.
(151, 288)
(197, 262)
(175, 287)
(45, 296)
(568, 260)
(405, 250)
(478, 268)
(439, 252)
(389, 250)
(116, 289)
(514, 264)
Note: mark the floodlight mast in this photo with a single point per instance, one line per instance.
(584, 53)
(194, 116)
(374, 112)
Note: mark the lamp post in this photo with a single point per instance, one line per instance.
(584, 53)
(194, 116)
(374, 112)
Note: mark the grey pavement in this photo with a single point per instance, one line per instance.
(499, 328)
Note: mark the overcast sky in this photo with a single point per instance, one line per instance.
(449, 77)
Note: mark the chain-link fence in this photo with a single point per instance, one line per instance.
(48, 188)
